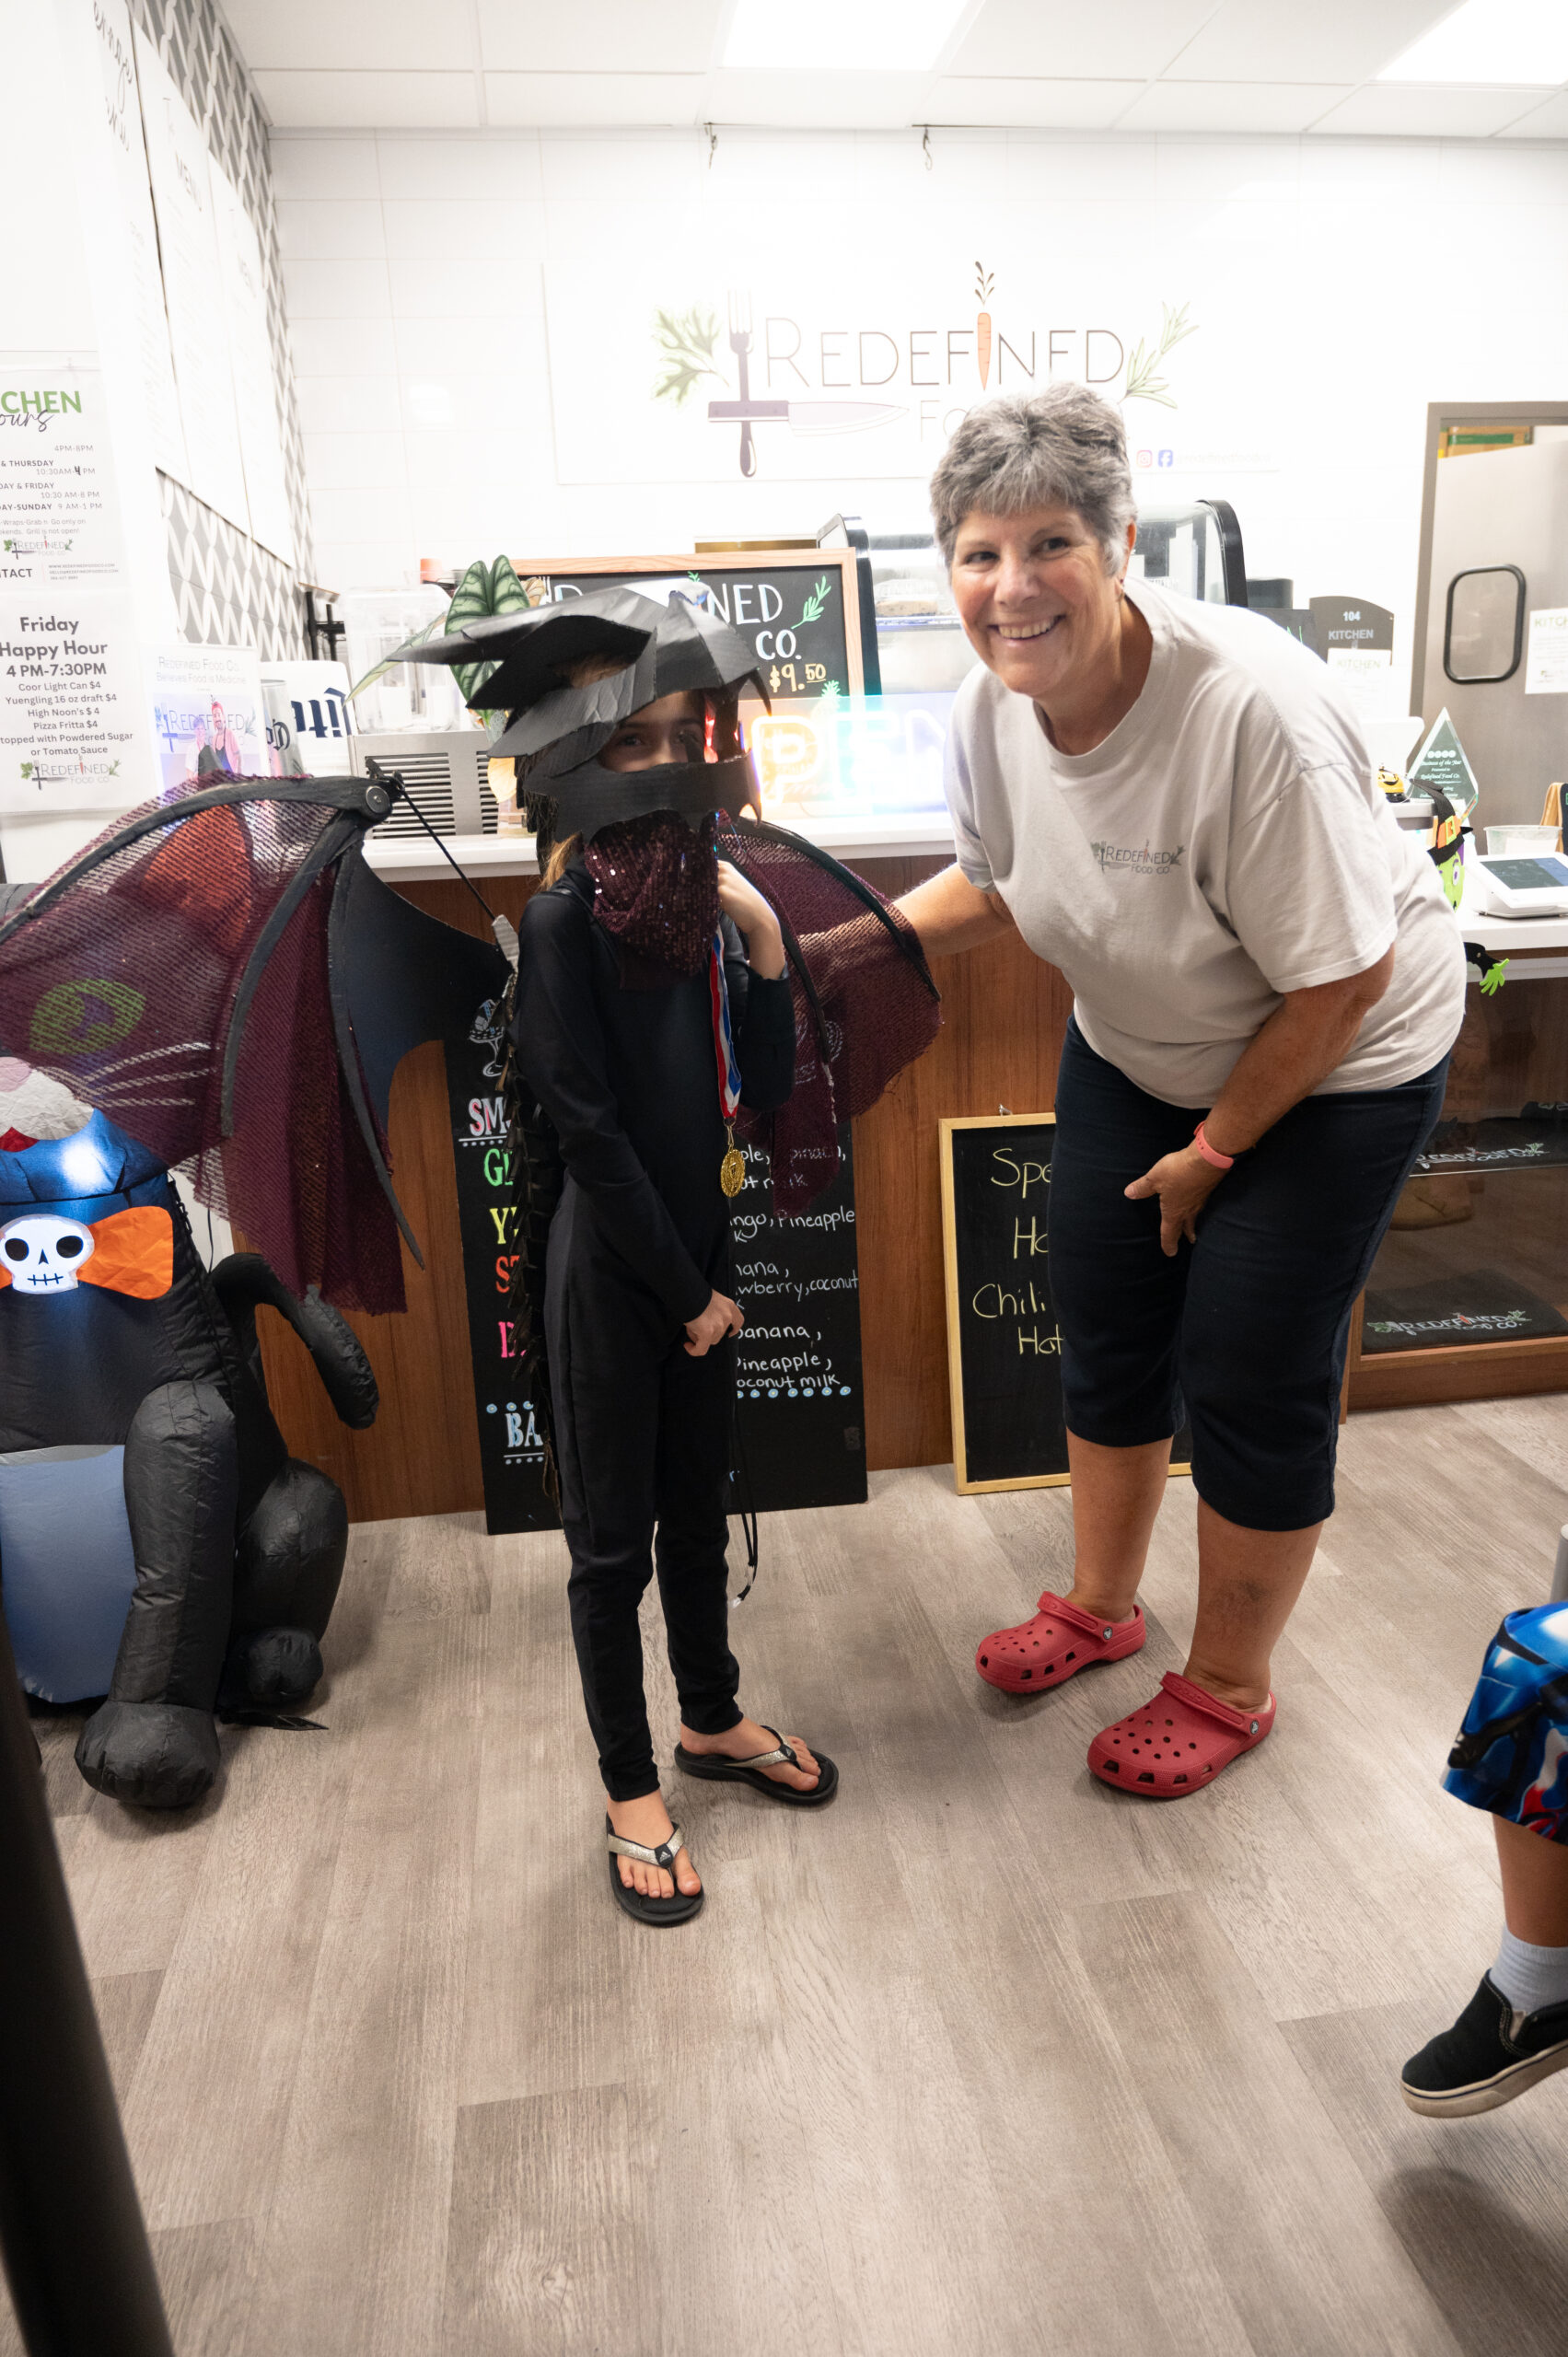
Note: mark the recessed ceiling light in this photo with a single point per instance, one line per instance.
(1490, 41)
(826, 37)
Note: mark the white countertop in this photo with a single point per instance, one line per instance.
(413, 859)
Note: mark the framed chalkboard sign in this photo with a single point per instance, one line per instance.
(800, 1410)
(1003, 1343)
(1003, 1346)
(799, 609)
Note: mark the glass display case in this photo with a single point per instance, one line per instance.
(1469, 1294)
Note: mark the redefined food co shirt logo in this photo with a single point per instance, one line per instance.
(1115, 858)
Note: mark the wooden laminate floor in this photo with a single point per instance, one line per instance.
(984, 2058)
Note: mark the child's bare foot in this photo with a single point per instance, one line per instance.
(747, 1741)
(648, 1820)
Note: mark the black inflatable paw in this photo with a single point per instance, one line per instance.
(275, 1666)
(155, 1754)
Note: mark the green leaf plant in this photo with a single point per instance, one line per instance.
(1144, 384)
(686, 341)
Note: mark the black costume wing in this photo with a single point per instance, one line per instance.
(865, 1003)
(225, 979)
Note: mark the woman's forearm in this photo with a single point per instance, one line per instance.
(949, 913)
(1302, 1042)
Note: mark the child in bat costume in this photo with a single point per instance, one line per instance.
(654, 1011)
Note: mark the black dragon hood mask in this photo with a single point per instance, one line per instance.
(647, 834)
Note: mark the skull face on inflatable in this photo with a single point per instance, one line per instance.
(42, 1253)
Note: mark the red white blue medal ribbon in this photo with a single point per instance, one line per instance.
(732, 1169)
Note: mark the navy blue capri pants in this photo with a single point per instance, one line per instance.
(1246, 1328)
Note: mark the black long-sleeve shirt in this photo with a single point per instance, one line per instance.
(628, 1078)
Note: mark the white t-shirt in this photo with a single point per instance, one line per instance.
(1225, 844)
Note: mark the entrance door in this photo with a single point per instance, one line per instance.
(1499, 552)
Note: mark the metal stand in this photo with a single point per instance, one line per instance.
(1560, 1574)
(71, 2230)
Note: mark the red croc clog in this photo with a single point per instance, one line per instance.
(1177, 1743)
(1056, 1645)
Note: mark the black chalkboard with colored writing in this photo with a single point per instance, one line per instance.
(798, 611)
(799, 1412)
(511, 1450)
(800, 1406)
(1003, 1346)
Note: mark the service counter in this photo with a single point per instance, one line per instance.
(1493, 1227)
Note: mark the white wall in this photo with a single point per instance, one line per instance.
(1339, 286)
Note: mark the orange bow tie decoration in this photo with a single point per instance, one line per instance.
(130, 1252)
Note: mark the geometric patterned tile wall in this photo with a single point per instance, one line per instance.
(229, 590)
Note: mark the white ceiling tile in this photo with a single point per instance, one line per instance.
(323, 166)
(541, 37)
(811, 100)
(1060, 39)
(1027, 103)
(1549, 121)
(582, 100)
(369, 101)
(1324, 40)
(300, 34)
(414, 166)
(1391, 109)
(1231, 106)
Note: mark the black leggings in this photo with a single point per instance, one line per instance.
(1246, 1328)
(642, 1438)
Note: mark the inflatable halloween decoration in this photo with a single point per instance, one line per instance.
(224, 983)
(569, 676)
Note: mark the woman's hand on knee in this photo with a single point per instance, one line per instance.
(1183, 1182)
(721, 1317)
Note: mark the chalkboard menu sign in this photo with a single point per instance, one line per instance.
(800, 1410)
(1003, 1346)
(799, 609)
(511, 1449)
(1003, 1343)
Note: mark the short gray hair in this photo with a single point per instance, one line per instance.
(1063, 447)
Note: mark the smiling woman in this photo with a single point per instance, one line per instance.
(1168, 802)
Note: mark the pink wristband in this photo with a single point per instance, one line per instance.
(1211, 1154)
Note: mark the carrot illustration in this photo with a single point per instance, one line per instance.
(983, 283)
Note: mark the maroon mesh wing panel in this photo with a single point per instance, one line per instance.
(878, 1005)
(125, 987)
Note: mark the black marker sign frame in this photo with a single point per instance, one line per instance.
(802, 570)
(962, 1230)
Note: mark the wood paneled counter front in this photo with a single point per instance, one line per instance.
(1003, 1017)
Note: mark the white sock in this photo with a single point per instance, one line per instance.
(1530, 1978)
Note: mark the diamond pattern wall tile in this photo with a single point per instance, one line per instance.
(229, 590)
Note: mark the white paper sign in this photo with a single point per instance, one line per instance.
(1546, 653)
(122, 125)
(59, 509)
(209, 715)
(309, 718)
(251, 354)
(1367, 674)
(72, 725)
(193, 289)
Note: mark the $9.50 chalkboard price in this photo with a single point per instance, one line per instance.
(1004, 1343)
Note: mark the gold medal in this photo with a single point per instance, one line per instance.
(732, 1169)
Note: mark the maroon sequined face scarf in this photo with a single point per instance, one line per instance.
(657, 887)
